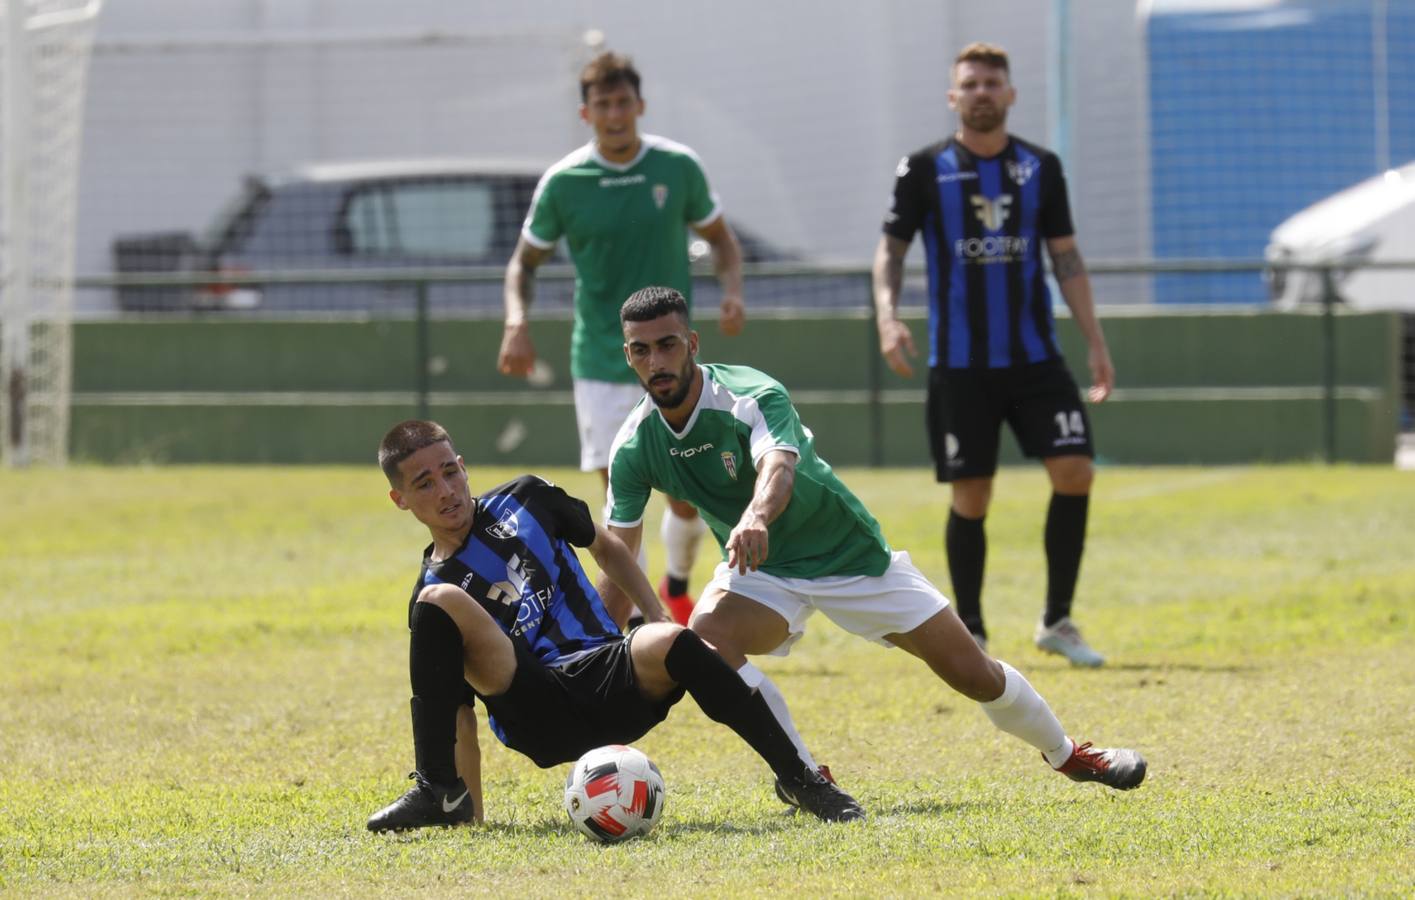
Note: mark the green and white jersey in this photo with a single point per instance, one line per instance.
(742, 415)
(626, 227)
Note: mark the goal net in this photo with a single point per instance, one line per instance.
(44, 47)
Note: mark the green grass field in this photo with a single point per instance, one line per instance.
(204, 689)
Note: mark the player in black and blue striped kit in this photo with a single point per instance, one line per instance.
(986, 202)
(503, 612)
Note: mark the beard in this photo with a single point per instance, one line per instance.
(984, 118)
(679, 393)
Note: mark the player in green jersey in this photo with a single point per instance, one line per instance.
(794, 538)
(623, 203)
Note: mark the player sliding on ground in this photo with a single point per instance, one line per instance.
(728, 440)
(503, 612)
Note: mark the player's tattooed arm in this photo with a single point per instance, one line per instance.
(887, 274)
(518, 354)
(1067, 264)
(747, 546)
(895, 341)
(1075, 285)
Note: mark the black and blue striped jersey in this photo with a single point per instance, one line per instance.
(984, 221)
(519, 564)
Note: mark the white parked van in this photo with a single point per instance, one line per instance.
(1373, 221)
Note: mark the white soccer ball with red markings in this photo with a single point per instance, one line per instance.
(614, 793)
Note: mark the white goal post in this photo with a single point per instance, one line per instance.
(44, 50)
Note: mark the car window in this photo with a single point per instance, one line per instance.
(369, 224)
(430, 219)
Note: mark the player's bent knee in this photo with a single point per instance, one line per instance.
(471, 619)
(1072, 474)
(655, 638)
(711, 627)
(737, 627)
(682, 509)
(649, 648)
(972, 496)
(443, 595)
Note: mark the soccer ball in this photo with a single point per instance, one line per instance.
(614, 793)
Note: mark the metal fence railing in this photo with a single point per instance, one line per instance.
(424, 296)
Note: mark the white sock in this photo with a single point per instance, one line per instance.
(680, 542)
(1021, 711)
(756, 680)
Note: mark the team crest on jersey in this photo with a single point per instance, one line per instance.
(1020, 172)
(660, 195)
(729, 462)
(505, 527)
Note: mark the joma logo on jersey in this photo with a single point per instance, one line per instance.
(689, 452)
(992, 213)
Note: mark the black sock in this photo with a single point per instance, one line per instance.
(677, 586)
(436, 671)
(724, 697)
(1065, 538)
(967, 547)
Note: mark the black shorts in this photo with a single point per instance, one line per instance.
(554, 715)
(966, 408)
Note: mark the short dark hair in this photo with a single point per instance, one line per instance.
(608, 70)
(990, 55)
(651, 303)
(405, 439)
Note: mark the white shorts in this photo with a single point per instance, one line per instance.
(600, 408)
(871, 606)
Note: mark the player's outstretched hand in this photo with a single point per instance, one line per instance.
(896, 342)
(733, 315)
(1102, 374)
(518, 353)
(747, 544)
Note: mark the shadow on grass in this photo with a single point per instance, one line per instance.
(1156, 668)
(774, 825)
(812, 672)
(926, 807)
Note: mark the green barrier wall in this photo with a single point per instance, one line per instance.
(1193, 388)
